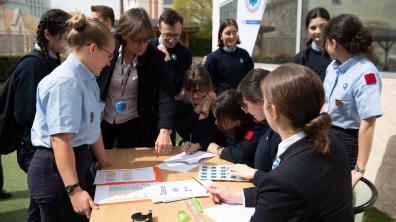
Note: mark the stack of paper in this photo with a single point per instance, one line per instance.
(226, 212)
(184, 162)
(217, 172)
(177, 190)
(121, 176)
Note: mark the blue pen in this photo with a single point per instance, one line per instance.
(190, 140)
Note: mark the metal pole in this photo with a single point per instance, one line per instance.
(298, 26)
(121, 7)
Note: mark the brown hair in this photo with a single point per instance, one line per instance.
(86, 31)
(170, 17)
(298, 94)
(250, 86)
(227, 108)
(318, 12)
(225, 24)
(348, 31)
(105, 12)
(133, 23)
(197, 78)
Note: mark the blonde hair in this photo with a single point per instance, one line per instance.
(85, 31)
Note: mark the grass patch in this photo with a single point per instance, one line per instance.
(15, 209)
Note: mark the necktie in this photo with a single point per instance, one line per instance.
(276, 163)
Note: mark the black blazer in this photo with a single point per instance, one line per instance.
(155, 101)
(306, 186)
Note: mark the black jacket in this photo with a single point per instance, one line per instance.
(227, 69)
(155, 100)
(181, 60)
(203, 131)
(306, 186)
(317, 61)
(27, 75)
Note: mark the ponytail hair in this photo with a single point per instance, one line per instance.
(348, 31)
(298, 94)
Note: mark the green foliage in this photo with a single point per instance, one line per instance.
(6, 65)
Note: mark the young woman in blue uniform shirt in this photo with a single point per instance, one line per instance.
(314, 56)
(353, 88)
(67, 125)
(193, 120)
(310, 179)
(228, 64)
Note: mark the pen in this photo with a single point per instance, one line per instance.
(197, 204)
(190, 137)
(200, 183)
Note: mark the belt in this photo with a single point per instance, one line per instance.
(349, 131)
(77, 148)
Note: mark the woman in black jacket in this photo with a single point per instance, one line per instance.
(136, 89)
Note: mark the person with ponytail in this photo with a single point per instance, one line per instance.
(66, 126)
(314, 56)
(52, 31)
(310, 179)
(353, 89)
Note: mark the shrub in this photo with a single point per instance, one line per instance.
(6, 65)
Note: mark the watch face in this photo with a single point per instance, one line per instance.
(69, 189)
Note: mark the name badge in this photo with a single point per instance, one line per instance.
(120, 106)
(338, 103)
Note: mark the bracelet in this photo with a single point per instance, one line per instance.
(359, 170)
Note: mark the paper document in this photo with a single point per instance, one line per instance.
(217, 172)
(177, 190)
(184, 162)
(226, 212)
(119, 176)
(108, 194)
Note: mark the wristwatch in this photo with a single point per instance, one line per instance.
(359, 170)
(69, 188)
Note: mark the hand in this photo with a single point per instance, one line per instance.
(82, 203)
(163, 144)
(242, 170)
(220, 194)
(214, 148)
(190, 148)
(355, 177)
(162, 48)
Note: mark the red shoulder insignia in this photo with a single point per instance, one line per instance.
(370, 78)
(249, 135)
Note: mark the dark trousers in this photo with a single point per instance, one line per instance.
(349, 140)
(47, 188)
(124, 135)
(1, 175)
(25, 155)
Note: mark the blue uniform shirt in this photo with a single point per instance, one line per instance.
(353, 92)
(68, 101)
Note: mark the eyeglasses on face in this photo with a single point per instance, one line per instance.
(199, 91)
(109, 54)
(140, 41)
(231, 34)
(170, 35)
(244, 107)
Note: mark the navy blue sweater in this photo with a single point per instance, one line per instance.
(227, 69)
(317, 61)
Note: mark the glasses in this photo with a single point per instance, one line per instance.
(200, 92)
(169, 35)
(109, 54)
(231, 34)
(140, 41)
(244, 107)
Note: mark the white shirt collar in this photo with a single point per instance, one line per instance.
(285, 144)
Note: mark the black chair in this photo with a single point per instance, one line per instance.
(365, 195)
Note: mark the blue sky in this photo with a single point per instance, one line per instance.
(85, 5)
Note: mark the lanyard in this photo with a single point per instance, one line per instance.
(124, 80)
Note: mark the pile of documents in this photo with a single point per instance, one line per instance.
(184, 162)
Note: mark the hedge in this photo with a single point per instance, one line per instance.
(6, 65)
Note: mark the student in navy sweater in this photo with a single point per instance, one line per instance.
(310, 180)
(193, 121)
(314, 56)
(229, 63)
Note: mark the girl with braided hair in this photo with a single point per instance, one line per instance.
(51, 41)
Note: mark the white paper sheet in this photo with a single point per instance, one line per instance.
(177, 190)
(229, 213)
(184, 162)
(106, 194)
(124, 175)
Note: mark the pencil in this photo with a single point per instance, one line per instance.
(200, 182)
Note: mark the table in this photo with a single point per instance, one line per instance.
(164, 212)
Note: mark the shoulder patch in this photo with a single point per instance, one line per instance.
(249, 135)
(370, 78)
